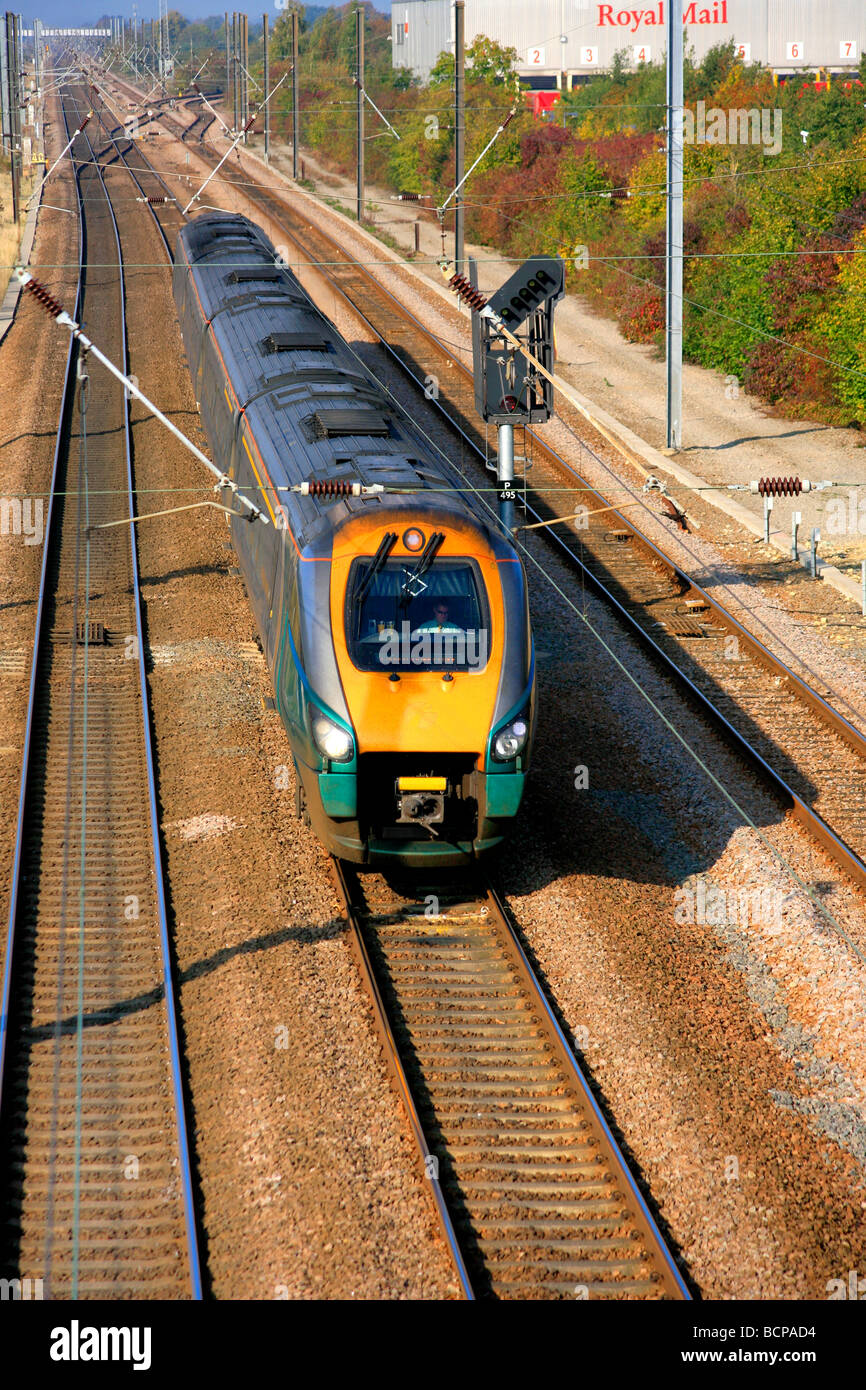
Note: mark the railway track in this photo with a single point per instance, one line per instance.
(534, 1197)
(96, 1171)
(199, 127)
(783, 720)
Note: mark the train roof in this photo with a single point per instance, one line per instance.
(315, 410)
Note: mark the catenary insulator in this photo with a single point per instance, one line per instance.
(462, 288)
(44, 297)
(780, 487)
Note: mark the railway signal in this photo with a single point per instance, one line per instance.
(485, 312)
(509, 389)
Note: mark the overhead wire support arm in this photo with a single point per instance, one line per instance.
(233, 146)
(64, 320)
(212, 109)
(151, 516)
(453, 194)
(366, 95)
(237, 140)
(194, 79)
(94, 87)
(249, 76)
(63, 152)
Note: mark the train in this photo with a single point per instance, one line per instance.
(391, 605)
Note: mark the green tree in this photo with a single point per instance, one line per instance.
(281, 35)
(486, 61)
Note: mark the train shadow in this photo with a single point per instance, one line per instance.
(614, 741)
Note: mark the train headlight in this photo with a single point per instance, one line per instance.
(511, 740)
(331, 739)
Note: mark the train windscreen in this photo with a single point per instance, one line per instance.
(399, 620)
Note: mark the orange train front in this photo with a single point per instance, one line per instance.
(395, 622)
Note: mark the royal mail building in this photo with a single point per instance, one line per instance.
(560, 42)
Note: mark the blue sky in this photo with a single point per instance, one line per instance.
(56, 12)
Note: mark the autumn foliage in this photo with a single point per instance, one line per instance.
(774, 242)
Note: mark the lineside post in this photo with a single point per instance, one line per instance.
(5, 102)
(459, 129)
(14, 81)
(505, 473)
(267, 82)
(245, 67)
(294, 94)
(235, 94)
(359, 81)
(228, 61)
(674, 247)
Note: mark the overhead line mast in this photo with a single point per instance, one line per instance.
(295, 112)
(459, 130)
(359, 83)
(266, 78)
(674, 229)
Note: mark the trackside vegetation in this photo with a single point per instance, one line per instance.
(775, 191)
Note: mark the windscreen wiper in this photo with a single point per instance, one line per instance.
(428, 555)
(386, 545)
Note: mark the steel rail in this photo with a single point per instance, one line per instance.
(51, 554)
(398, 1072)
(556, 1199)
(429, 1159)
(169, 988)
(67, 392)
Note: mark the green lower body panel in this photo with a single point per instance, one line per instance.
(504, 794)
(428, 854)
(332, 802)
(339, 794)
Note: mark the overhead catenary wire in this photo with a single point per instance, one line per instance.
(64, 320)
(844, 367)
(777, 854)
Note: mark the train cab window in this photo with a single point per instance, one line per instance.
(397, 620)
